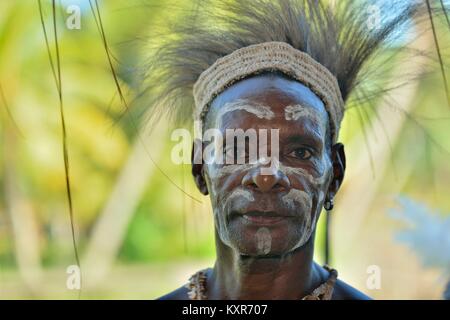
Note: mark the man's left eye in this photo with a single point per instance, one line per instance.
(301, 153)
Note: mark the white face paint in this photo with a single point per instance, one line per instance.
(287, 170)
(296, 199)
(243, 193)
(302, 172)
(261, 111)
(293, 113)
(238, 194)
(303, 201)
(300, 200)
(263, 240)
(229, 169)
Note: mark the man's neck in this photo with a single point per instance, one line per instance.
(291, 276)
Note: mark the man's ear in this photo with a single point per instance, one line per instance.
(338, 160)
(197, 166)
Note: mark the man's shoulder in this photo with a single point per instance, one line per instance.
(343, 291)
(179, 294)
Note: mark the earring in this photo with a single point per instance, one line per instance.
(329, 205)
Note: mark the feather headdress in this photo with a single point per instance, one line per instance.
(347, 38)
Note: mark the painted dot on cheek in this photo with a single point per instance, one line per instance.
(263, 240)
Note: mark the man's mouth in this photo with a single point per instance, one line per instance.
(263, 218)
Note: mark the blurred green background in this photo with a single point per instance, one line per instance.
(138, 235)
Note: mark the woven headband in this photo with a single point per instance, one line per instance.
(270, 56)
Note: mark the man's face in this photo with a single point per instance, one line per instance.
(272, 212)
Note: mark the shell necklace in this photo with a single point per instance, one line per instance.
(197, 286)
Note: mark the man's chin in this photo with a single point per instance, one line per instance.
(252, 249)
(252, 239)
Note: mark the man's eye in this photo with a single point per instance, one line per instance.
(301, 153)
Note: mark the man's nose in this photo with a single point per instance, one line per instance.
(276, 181)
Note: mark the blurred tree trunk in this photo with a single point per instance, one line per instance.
(112, 223)
(24, 225)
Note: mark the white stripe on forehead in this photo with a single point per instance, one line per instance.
(294, 112)
(261, 111)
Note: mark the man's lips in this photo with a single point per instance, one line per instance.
(263, 218)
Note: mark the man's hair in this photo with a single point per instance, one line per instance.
(347, 38)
